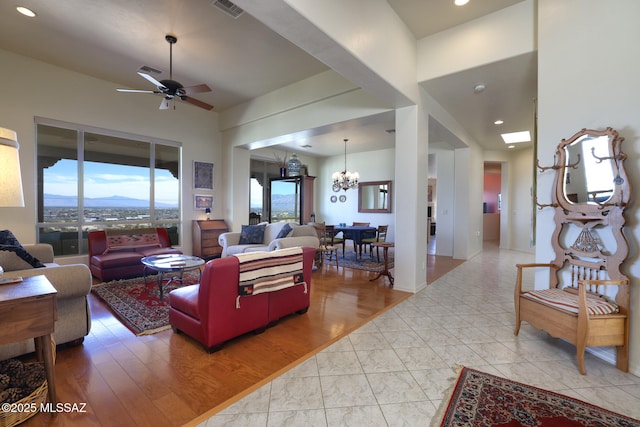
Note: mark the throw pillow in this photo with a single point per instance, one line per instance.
(284, 232)
(141, 239)
(7, 238)
(252, 234)
(14, 256)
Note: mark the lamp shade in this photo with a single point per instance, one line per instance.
(10, 177)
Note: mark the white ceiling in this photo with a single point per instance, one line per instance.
(242, 59)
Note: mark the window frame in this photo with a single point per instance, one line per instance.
(81, 225)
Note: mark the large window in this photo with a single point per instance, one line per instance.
(261, 172)
(95, 179)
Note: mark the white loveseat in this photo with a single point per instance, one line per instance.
(300, 235)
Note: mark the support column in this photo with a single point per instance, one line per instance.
(410, 190)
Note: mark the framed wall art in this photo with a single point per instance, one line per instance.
(203, 175)
(201, 202)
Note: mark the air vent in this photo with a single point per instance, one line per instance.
(229, 8)
(148, 70)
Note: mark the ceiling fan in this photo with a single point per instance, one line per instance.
(170, 88)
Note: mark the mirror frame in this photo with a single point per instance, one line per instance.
(375, 184)
(621, 194)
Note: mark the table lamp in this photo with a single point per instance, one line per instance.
(208, 212)
(10, 177)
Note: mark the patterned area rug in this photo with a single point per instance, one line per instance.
(481, 399)
(363, 263)
(137, 304)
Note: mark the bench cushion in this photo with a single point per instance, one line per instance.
(116, 259)
(568, 301)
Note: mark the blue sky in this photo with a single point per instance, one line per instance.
(106, 179)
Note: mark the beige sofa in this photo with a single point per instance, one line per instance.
(73, 283)
(300, 235)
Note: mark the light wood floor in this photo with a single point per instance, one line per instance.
(167, 379)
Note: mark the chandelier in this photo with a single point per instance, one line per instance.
(345, 180)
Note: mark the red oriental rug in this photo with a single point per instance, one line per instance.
(137, 304)
(481, 399)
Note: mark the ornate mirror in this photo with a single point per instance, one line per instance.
(590, 173)
(374, 197)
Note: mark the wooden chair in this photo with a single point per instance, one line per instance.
(327, 248)
(381, 236)
(587, 301)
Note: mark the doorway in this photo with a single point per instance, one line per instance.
(492, 202)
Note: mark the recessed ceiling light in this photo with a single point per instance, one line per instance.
(480, 87)
(498, 122)
(460, 2)
(26, 12)
(511, 146)
(515, 137)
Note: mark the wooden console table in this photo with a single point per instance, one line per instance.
(28, 310)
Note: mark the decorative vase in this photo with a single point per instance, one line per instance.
(293, 166)
(283, 172)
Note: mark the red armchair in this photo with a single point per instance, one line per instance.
(212, 312)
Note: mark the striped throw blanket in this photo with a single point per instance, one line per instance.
(269, 271)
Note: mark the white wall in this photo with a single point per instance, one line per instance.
(588, 78)
(372, 166)
(77, 98)
(478, 42)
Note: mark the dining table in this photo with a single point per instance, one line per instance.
(356, 233)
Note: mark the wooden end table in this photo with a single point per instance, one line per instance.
(28, 309)
(385, 249)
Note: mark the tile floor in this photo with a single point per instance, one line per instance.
(395, 370)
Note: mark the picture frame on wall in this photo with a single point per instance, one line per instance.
(202, 202)
(203, 175)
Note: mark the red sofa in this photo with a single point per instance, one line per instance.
(116, 254)
(212, 312)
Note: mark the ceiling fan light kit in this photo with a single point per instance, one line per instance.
(169, 88)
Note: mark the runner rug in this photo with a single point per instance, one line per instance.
(363, 263)
(481, 399)
(137, 304)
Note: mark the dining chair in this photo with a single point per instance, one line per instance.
(327, 248)
(332, 236)
(381, 236)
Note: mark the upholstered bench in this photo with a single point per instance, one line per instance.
(116, 254)
(580, 312)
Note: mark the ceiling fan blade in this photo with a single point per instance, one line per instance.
(151, 79)
(196, 102)
(138, 91)
(195, 89)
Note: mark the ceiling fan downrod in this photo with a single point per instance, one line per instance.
(171, 40)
